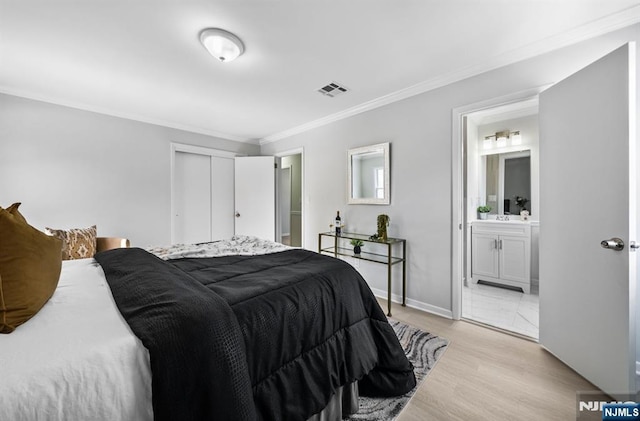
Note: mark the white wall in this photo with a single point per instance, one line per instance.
(419, 129)
(73, 168)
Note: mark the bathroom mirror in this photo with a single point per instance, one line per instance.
(508, 182)
(368, 175)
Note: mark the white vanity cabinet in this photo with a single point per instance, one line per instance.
(501, 253)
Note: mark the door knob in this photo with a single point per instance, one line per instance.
(613, 244)
(237, 214)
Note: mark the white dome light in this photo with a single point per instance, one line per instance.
(221, 44)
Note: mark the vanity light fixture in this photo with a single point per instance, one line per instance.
(501, 139)
(221, 44)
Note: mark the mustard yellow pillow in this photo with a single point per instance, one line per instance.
(30, 263)
(13, 210)
(77, 243)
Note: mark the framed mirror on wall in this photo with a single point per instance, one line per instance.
(368, 175)
(507, 182)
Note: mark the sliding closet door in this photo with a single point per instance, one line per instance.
(192, 187)
(202, 195)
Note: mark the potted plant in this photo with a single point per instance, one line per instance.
(357, 245)
(483, 211)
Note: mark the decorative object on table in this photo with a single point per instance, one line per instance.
(524, 215)
(338, 224)
(357, 246)
(383, 223)
(521, 202)
(483, 211)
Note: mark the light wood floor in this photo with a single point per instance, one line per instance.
(489, 375)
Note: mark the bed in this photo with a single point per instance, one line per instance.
(233, 330)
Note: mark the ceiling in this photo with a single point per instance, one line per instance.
(142, 59)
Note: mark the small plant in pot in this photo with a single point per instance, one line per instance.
(483, 211)
(357, 246)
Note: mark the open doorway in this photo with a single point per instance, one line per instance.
(290, 194)
(500, 286)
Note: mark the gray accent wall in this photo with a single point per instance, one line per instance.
(73, 169)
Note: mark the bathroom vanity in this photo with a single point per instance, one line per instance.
(501, 253)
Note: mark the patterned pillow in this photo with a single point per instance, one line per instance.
(77, 243)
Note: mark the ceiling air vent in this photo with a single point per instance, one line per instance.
(332, 89)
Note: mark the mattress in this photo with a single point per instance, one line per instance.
(76, 359)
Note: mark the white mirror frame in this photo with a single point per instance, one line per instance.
(387, 185)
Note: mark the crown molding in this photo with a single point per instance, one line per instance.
(128, 116)
(590, 30)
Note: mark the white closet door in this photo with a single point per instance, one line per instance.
(192, 187)
(255, 196)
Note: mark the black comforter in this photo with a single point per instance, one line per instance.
(266, 337)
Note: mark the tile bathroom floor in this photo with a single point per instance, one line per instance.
(502, 308)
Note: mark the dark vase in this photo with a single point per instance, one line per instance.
(356, 249)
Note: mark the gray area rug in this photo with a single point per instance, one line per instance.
(423, 350)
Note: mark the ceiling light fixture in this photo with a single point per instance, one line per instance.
(221, 44)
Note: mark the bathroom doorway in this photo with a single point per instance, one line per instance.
(500, 286)
(290, 194)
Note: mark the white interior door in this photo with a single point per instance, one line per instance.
(285, 201)
(587, 158)
(192, 186)
(255, 196)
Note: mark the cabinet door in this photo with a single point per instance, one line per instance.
(484, 256)
(514, 254)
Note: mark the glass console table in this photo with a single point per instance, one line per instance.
(340, 247)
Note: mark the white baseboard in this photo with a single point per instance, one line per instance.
(438, 311)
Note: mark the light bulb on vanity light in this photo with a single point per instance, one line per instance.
(488, 142)
(501, 139)
(221, 44)
(516, 138)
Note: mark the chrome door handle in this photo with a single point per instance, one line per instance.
(613, 244)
